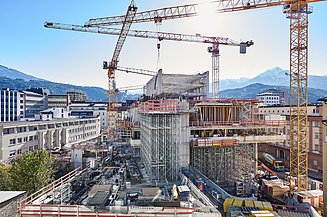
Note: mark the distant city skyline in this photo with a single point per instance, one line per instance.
(76, 58)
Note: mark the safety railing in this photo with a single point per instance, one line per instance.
(226, 100)
(130, 124)
(51, 187)
(90, 147)
(82, 211)
(290, 208)
(210, 142)
(237, 123)
(159, 107)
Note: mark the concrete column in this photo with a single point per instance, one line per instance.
(64, 136)
(49, 140)
(57, 138)
(41, 140)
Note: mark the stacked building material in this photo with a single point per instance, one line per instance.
(228, 202)
(267, 206)
(238, 203)
(233, 211)
(274, 188)
(248, 203)
(258, 204)
(264, 213)
(247, 210)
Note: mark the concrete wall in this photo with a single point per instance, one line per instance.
(8, 208)
(193, 85)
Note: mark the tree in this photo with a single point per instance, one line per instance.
(32, 171)
(4, 177)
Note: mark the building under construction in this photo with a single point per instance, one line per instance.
(217, 137)
(160, 133)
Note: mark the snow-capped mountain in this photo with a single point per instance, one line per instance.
(274, 76)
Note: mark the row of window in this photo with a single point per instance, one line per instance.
(50, 126)
(76, 130)
(81, 136)
(25, 139)
(19, 151)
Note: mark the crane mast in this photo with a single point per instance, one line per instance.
(111, 71)
(298, 15)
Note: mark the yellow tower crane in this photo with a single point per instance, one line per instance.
(297, 11)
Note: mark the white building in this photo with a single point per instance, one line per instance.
(34, 103)
(20, 136)
(268, 99)
(58, 101)
(12, 105)
(91, 109)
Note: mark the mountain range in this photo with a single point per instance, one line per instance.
(274, 76)
(229, 88)
(13, 79)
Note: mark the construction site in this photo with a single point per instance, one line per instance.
(182, 150)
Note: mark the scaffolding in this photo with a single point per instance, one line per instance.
(160, 139)
(224, 161)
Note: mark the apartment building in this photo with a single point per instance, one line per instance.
(268, 99)
(12, 105)
(315, 140)
(20, 136)
(273, 97)
(76, 95)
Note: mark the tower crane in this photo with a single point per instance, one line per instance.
(215, 41)
(297, 11)
(126, 21)
(157, 15)
(136, 71)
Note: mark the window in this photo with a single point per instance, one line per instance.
(25, 139)
(12, 141)
(316, 124)
(36, 147)
(36, 137)
(316, 148)
(316, 135)
(12, 153)
(19, 140)
(315, 162)
(266, 149)
(19, 151)
(31, 138)
(30, 148)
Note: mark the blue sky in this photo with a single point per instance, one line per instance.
(76, 57)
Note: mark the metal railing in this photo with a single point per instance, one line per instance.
(290, 208)
(159, 107)
(82, 211)
(43, 192)
(237, 123)
(206, 142)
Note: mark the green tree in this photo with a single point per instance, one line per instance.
(5, 177)
(32, 171)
